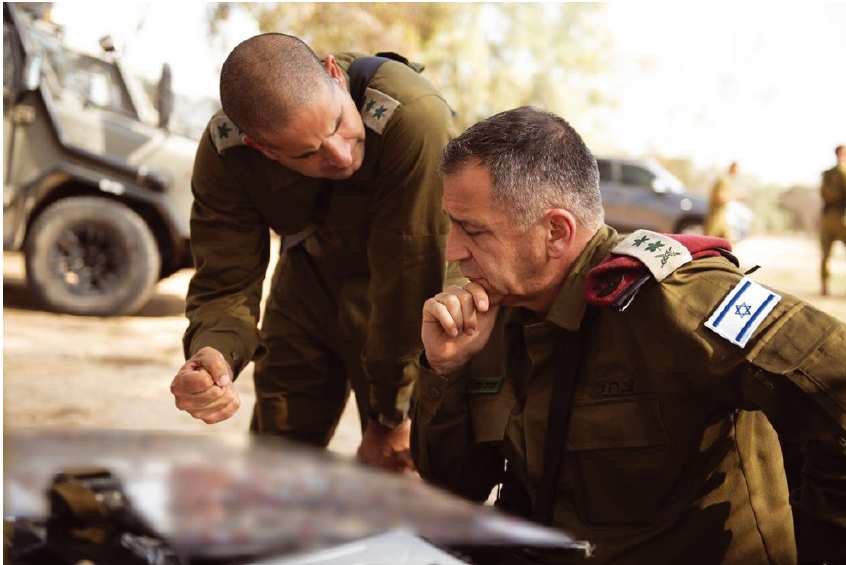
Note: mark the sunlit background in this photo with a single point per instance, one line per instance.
(704, 83)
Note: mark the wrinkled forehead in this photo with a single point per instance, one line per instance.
(467, 194)
(311, 122)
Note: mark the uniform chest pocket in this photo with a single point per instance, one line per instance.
(616, 450)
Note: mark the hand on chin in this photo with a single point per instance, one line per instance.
(494, 297)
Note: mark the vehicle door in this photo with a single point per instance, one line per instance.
(642, 201)
(612, 194)
(21, 131)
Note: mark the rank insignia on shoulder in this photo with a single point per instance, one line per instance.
(484, 385)
(659, 253)
(742, 311)
(224, 133)
(377, 109)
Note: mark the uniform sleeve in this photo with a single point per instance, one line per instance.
(442, 441)
(231, 247)
(794, 370)
(405, 250)
(796, 374)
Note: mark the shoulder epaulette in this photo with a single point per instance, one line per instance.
(224, 133)
(646, 256)
(377, 109)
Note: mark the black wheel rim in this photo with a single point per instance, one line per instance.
(88, 260)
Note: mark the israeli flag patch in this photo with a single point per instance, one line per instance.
(742, 311)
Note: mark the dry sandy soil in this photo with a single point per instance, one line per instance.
(62, 371)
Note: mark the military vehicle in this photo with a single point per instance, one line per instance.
(96, 186)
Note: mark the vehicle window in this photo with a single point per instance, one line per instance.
(604, 169)
(637, 176)
(97, 81)
(8, 61)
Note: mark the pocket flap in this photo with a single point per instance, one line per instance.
(490, 415)
(632, 421)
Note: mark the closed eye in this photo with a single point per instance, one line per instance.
(472, 232)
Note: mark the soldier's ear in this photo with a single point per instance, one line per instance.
(560, 228)
(331, 66)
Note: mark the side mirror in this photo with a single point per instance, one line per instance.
(659, 186)
(164, 97)
(32, 73)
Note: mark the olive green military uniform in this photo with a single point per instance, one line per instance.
(716, 223)
(833, 225)
(350, 293)
(667, 457)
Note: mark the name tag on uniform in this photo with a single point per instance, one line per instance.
(480, 385)
(742, 311)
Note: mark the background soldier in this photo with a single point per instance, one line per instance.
(354, 174)
(623, 381)
(723, 192)
(833, 225)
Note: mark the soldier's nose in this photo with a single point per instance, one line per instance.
(339, 153)
(454, 251)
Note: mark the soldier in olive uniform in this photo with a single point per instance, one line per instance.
(631, 385)
(716, 223)
(356, 182)
(833, 225)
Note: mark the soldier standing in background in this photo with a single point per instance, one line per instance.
(833, 224)
(341, 154)
(723, 192)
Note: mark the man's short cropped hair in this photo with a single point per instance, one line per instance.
(266, 79)
(838, 149)
(536, 161)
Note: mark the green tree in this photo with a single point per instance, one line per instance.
(485, 58)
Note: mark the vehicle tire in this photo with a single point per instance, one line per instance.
(91, 256)
(690, 226)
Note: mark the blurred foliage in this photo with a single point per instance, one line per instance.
(770, 217)
(802, 204)
(484, 57)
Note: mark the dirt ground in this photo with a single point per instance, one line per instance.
(62, 371)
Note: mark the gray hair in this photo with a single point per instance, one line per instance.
(536, 161)
(266, 79)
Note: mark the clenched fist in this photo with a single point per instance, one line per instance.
(457, 324)
(204, 388)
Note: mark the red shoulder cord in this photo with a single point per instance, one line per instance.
(615, 281)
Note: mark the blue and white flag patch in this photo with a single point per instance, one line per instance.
(742, 311)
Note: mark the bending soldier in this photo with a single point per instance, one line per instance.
(341, 153)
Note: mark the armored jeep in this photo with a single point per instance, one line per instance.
(96, 186)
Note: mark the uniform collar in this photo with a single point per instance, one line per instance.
(570, 304)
